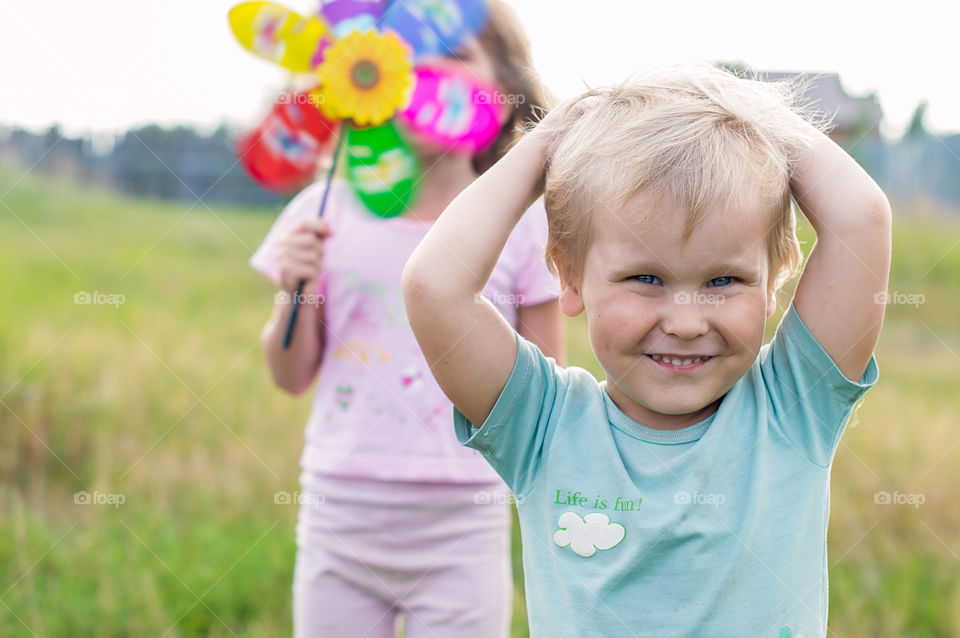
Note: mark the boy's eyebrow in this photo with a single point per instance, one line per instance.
(644, 265)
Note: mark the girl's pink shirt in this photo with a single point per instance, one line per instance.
(377, 411)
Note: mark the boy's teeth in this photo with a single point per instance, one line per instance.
(676, 361)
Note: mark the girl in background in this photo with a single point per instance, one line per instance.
(395, 515)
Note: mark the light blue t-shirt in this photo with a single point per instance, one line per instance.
(718, 529)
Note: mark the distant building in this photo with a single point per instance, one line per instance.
(853, 116)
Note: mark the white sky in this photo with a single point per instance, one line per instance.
(108, 64)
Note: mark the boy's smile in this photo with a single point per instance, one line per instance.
(674, 323)
(680, 363)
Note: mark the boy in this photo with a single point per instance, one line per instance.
(688, 494)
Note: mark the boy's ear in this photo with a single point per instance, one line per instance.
(571, 301)
(771, 300)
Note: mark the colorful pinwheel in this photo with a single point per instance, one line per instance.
(370, 60)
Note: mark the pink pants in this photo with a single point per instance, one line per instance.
(439, 554)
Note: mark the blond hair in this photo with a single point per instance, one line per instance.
(692, 136)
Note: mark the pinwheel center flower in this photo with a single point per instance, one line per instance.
(365, 76)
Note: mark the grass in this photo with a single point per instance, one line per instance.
(165, 399)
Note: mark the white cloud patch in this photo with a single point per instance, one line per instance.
(588, 534)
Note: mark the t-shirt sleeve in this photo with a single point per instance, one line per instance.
(520, 425)
(533, 283)
(810, 398)
(304, 206)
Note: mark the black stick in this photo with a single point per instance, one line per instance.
(288, 336)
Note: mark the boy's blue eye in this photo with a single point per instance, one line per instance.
(721, 281)
(653, 280)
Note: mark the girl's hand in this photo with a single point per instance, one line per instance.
(300, 252)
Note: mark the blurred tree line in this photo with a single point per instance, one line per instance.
(182, 163)
(152, 161)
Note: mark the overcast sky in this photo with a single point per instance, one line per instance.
(107, 64)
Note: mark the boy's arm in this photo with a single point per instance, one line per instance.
(839, 294)
(470, 347)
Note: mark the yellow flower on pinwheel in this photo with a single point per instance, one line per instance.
(366, 76)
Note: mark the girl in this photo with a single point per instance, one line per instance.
(396, 515)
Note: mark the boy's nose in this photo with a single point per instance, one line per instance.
(684, 319)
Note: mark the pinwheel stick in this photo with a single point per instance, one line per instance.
(288, 335)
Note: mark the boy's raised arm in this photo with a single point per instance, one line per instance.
(840, 296)
(470, 348)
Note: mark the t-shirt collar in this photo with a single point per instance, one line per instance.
(621, 421)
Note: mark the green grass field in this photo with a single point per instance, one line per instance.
(165, 400)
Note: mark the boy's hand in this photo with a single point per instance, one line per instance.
(300, 253)
(544, 135)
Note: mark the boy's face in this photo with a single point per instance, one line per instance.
(674, 324)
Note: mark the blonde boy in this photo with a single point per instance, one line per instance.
(688, 494)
